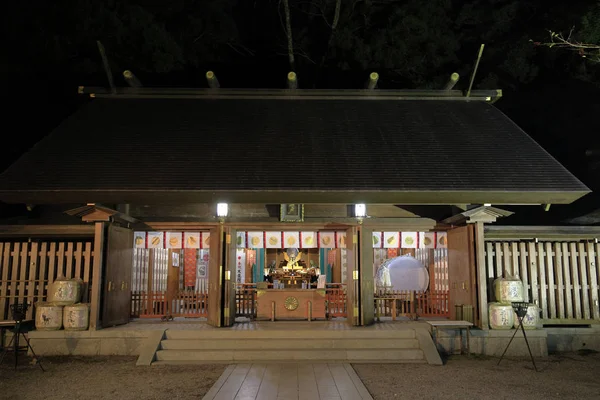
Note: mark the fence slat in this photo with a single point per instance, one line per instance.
(78, 254)
(585, 298)
(31, 281)
(558, 270)
(568, 284)
(14, 275)
(87, 262)
(69, 261)
(51, 265)
(533, 273)
(550, 279)
(524, 269)
(593, 280)
(542, 280)
(514, 251)
(61, 261)
(575, 279)
(4, 284)
(499, 260)
(43, 270)
(506, 260)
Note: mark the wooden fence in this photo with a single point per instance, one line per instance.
(26, 268)
(412, 304)
(561, 277)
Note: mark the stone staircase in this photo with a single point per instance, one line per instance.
(298, 345)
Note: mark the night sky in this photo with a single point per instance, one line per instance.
(553, 94)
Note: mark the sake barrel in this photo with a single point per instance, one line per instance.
(508, 290)
(502, 316)
(65, 291)
(531, 320)
(48, 316)
(76, 317)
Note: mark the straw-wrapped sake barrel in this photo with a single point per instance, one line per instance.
(502, 316)
(76, 317)
(64, 291)
(508, 290)
(531, 320)
(48, 316)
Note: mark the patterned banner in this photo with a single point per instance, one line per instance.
(391, 240)
(273, 240)
(139, 240)
(427, 240)
(410, 240)
(255, 240)
(191, 240)
(377, 240)
(291, 239)
(309, 240)
(327, 240)
(240, 242)
(174, 240)
(341, 240)
(442, 240)
(156, 240)
(205, 240)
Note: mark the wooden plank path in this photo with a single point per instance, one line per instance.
(289, 381)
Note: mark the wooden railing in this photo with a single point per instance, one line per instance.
(26, 268)
(411, 304)
(245, 300)
(187, 303)
(336, 300)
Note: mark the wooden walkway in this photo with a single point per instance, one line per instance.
(289, 381)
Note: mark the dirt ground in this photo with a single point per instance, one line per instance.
(105, 378)
(566, 376)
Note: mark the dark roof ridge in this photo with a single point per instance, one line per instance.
(304, 94)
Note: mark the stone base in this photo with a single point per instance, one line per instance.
(88, 343)
(493, 342)
(573, 339)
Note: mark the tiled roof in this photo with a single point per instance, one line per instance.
(191, 149)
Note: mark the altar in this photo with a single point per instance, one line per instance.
(290, 304)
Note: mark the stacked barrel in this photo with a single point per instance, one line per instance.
(501, 313)
(63, 308)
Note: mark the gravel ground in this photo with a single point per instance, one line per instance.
(105, 378)
(566, 376)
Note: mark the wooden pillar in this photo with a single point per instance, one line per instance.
(229, 266)
(99, 242)
(215, 277)
(352, 275)
(481, 276)
(367, 287)
(172, 283)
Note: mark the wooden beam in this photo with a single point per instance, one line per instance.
(212, 80)
(372, 81)
(98, 266)
(453, 79)
(107, 69)
(131, 79)
(292, 81)
(45, 230)
(481, 276)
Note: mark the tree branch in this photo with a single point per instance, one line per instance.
(586, 50)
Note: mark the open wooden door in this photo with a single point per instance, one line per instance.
(461, 268)
(221, 288)
(229, 304)
(117, 278)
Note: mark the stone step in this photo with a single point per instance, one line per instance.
(348, 355)
(365, 361)
(290, 334)
(285, 344)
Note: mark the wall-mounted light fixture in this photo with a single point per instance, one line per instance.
(360, 212)
(222, 211)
